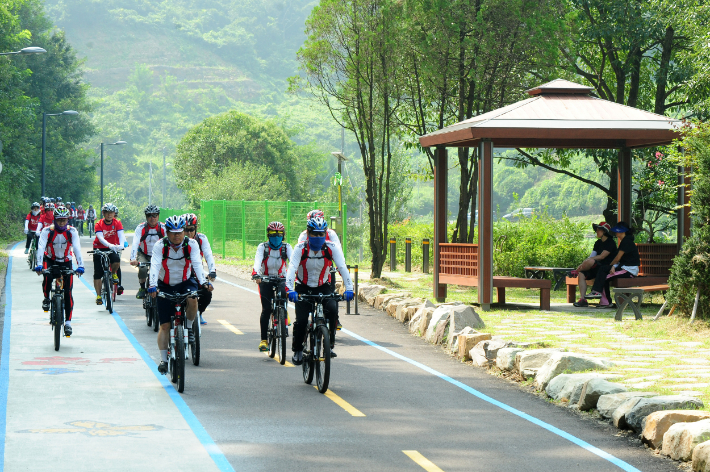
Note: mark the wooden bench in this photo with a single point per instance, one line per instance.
(624, 296)
(501, 283)
(642, 281)
(558, 274)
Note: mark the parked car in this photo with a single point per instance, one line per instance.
(515, 215)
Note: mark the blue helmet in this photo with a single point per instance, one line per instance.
(175, 224)
(317, 224)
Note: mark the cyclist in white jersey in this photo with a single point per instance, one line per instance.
(205, 297)
(146, 235)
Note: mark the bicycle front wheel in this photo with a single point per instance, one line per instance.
(271, 336)
(57, 310)
(195, 347)
(148, 315)
(321, 358)
(180, 359)
(281, 335)
(154, 314)
(106, 292)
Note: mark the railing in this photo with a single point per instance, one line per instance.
(656, 259)
(459, 263)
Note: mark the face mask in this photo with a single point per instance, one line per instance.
(35, 212)
(275, 241)
(60, 228)
(316, 244)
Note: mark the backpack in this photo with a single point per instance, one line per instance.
(185, 249)
(283, 252)
(53, 234)
(327, 253)
(145, 234)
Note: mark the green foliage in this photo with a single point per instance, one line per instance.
(537, 241)
(562, 195)
(213, 146)
(240, 181)
(691, 268)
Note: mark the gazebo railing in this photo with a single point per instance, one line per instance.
(656, 259)
(459, 264)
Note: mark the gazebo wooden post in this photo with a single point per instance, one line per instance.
(441, 173)
(624, 185)
(485, 224)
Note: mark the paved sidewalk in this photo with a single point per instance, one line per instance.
(95, 404)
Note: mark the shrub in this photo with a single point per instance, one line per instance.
(691, 268)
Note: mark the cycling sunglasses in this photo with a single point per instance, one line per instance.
(152, 215)
(275, 233)
(190, 229)
(318, 234)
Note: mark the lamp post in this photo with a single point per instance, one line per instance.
(44, 137)
(25, 51)
(117, 143)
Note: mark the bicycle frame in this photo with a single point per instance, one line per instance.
(178, 318)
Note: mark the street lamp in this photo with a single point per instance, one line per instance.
(44, 135)
(341, 158)
(117, 143)
(24, 51)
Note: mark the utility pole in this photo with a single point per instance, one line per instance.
(163, 177)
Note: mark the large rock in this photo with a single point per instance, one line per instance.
(400, 311)
(453, 341)
(681, 438)
(484, 353)
(462, 316)
(381, 298)
(390, 306)
(367, 292)
(701, 457)
(422, 315)
(398, 297)
(441, 313)
(505, 358)
(560, 362)
(646, 406)
(466, 342)
(657, 423)
(595, 388)
(607, 404)
(558, 389)
(441, 332)
(408, 310)
(527, 363)
(424, 322)
(619, 415)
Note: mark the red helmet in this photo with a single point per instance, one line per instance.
(315, 214)
(191, 219)
(276, 226)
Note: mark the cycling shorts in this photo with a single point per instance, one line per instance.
(166, 308)
(98, 266)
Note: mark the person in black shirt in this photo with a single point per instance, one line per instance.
(625, 265)
(602, 254)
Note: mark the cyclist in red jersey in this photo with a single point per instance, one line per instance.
(110, 239)
(47, 217)
(31, 222)
(80, 220)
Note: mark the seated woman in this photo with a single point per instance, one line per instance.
(625, 265)
(602, 254)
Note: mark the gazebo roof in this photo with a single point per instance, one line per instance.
(560, 114)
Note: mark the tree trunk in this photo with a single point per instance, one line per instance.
(662, 78)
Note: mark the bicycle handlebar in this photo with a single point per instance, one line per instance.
(177, 297)
(61, 271)
(271, 278)
(320, 297)
(144, 264)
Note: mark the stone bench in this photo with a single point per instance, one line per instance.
(624, 296)
(501, 283)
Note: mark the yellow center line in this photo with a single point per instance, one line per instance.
(342, 403)
(228, 325)
(422, 461)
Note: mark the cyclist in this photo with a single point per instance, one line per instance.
(90, 217)
(72, 211)
(174, 260)
(205, 297)
(308, 274)
(31, 223)
(270, 259)
(110, 239)
(147, 234)
(55, 249)
(47, 217)
(80, 217)
(330, 236)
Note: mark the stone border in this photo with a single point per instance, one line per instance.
(670, 424)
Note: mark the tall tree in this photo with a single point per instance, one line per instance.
(351, 64)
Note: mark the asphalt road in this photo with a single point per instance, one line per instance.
(409, 394)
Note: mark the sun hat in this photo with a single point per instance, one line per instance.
(620, 228)
(604, 226)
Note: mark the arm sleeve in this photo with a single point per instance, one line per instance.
(136, 243)
(334, 238)
(41, 246)
(339, 260)
(39, 227)
(258, 259)
(593, 253)
(196, 260)
(100, 237)
(293, 263)
(27, 223)
(155, 260)
(121, 237)
(289, 251)
(207, 252)
(77, 247)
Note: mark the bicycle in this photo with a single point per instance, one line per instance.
(32, 255)
(150, 306)
(195, 347)
(277, 331)
(178, 337)
(316, 346)
(56, 317)
(108, 289)
(90, 227)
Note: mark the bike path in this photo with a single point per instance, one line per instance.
(93, 405)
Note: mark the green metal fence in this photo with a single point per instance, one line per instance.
(236, 228)
(168, 212)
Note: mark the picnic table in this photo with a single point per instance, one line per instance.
(559, 274)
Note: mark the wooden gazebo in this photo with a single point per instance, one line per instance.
(559, 114)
